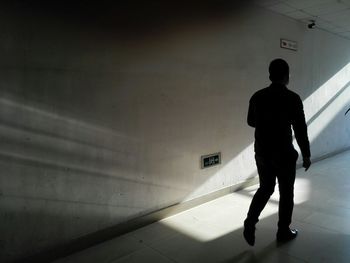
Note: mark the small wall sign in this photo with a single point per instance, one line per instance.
(210, 160)
(289, 44)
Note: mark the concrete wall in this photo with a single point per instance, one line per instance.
(103, 118)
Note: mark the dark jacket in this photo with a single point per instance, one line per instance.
(273, 111)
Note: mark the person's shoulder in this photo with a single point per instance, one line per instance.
(293, 94)
(260, 92)
(257, 96)
(294, 99)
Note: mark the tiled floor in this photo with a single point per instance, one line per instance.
(212, 232)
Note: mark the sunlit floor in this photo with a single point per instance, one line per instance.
(212, 232)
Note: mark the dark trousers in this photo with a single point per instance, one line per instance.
(282, 168)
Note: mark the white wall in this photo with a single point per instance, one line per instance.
(100, 124)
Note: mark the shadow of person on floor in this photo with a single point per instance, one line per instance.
(250, 256)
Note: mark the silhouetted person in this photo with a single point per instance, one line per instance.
(273, 111)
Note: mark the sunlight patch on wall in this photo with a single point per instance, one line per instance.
(239, 168)
(319, 124)
(318, 99)
(322, 106)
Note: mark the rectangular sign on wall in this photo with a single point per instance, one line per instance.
(210, 160)
(289, 44)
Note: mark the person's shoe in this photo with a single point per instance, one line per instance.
(249, 235)
(286, 235)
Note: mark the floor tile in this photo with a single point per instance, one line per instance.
(105, 252)
(145, 255)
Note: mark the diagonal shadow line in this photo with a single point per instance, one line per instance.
(9, 157)
(320, 111)
(57, 137)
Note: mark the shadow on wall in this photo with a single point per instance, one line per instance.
(61, 171)
(133, 20)
(134, 14)
(57, 184)
(59, 180)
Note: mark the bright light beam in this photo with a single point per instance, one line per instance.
(318, 99)
(320, 109)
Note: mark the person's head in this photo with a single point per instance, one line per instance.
(279, 71)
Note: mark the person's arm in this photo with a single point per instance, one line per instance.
(300, 131)
(251, 113)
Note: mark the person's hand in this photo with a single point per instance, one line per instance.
(306, 163)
